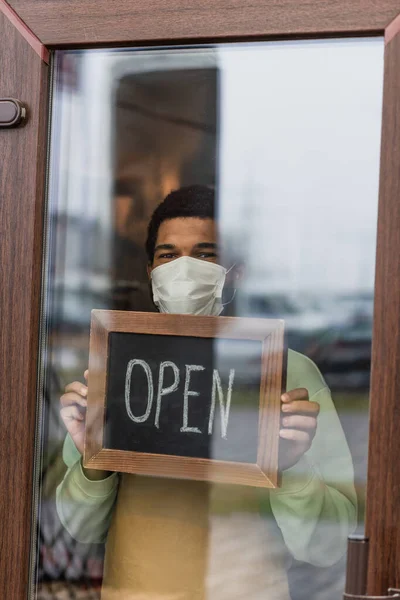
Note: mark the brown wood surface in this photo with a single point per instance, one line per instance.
(26, 33)
(270, 411)
(185, 325)
(383, 490)
(22, 156)
(180, 467)
(73, 22)
(97, 384)
(270, 331)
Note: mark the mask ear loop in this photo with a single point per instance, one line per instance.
(234, 291)
(231, 300)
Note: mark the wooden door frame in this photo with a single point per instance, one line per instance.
(29, 30)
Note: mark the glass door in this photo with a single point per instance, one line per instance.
(231, 180)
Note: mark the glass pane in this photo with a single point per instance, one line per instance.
(268, 157)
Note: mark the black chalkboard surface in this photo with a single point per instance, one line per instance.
(143, 416)
(185, 396)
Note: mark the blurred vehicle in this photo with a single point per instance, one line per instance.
(334, 331)
(305, 317)
(343, 354)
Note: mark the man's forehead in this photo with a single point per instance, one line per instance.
(185, 229)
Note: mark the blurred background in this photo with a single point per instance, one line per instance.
(288, 133)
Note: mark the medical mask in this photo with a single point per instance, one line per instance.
(188, 286)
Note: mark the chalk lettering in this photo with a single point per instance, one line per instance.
(150, 394)
(186, 394)
(164, 391)
(224, 409)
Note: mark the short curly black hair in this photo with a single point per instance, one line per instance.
(192, 201)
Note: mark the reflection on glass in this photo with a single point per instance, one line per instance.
(282, 141)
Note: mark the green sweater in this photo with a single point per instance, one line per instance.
(315, 507)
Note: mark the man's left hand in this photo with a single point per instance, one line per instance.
(299, 425)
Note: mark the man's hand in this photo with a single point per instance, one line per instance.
(299, 425)
(73, 413)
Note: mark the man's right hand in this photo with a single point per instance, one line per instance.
(73, 413)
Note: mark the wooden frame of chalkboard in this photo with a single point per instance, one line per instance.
(270, 332)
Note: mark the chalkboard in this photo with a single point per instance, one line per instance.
(184, 396)
(143, 416)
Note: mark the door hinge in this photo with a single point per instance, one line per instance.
(357, 569)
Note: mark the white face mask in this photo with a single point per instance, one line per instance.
(188, 286)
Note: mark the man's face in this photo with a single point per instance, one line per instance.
(186, 236)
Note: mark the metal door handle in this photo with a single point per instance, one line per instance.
(12, 113)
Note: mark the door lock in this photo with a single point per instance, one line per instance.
(12, 113)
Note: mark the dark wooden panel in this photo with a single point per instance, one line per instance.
(383, 505)
(22, 152)
(58, 22)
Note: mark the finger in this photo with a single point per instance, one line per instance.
(77, 387)
(303, 423)
(71, 413)
(296, 394)
(72, 398)
(86, 374)
(302, 407)
(294, 435)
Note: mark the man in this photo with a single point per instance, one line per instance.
(179, 540)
